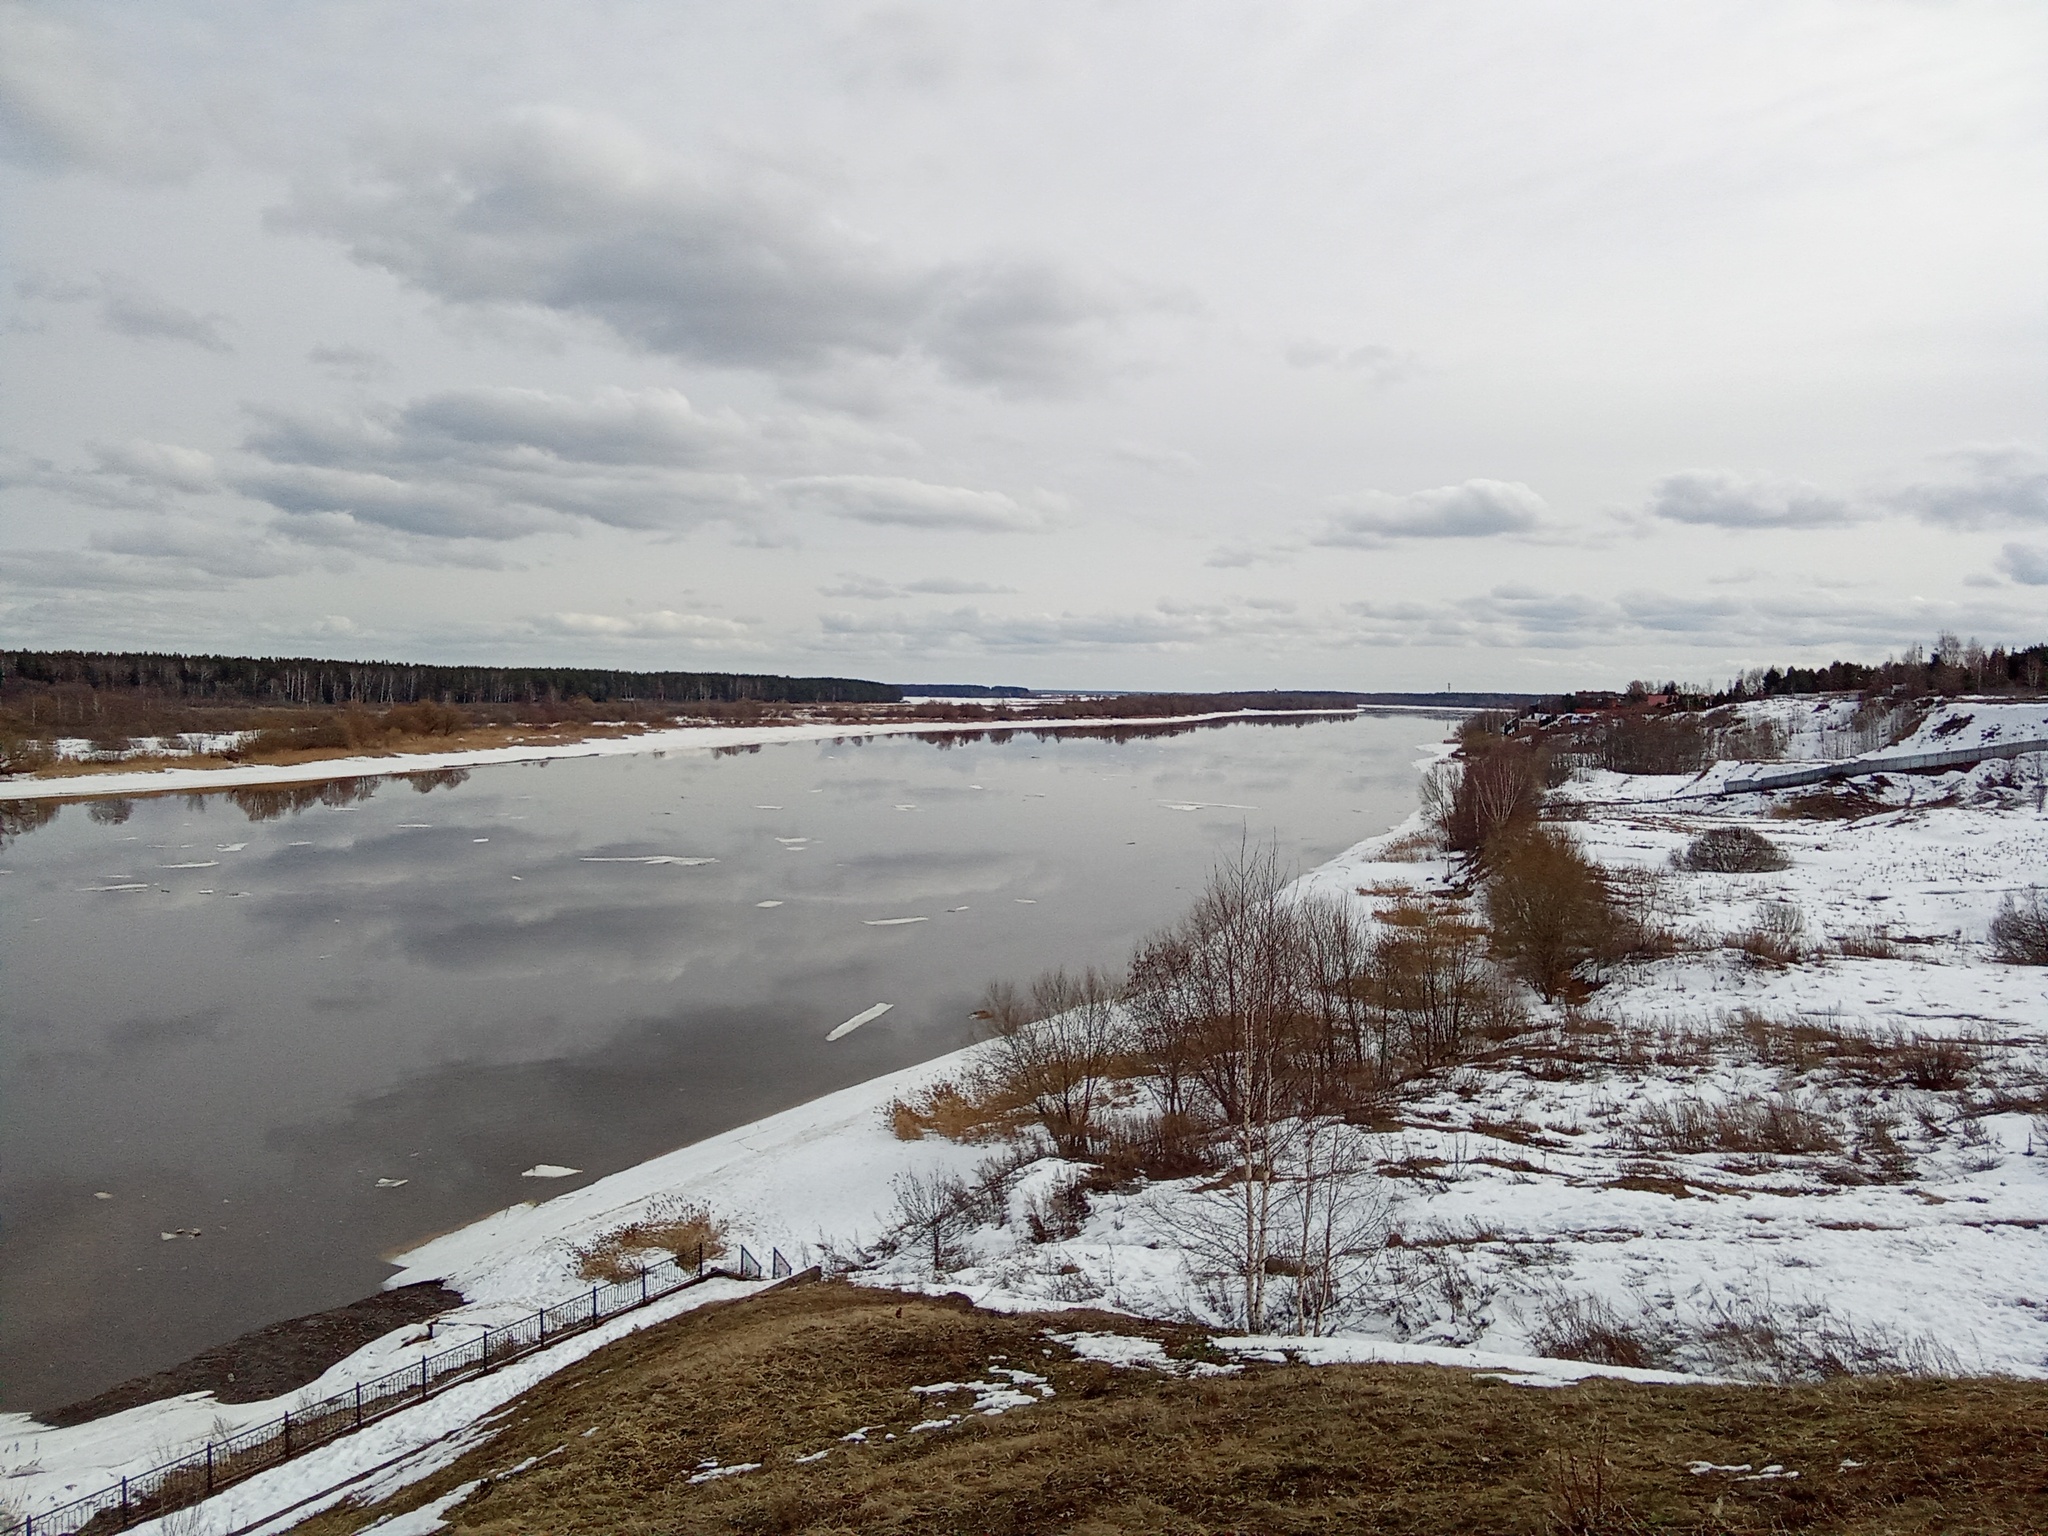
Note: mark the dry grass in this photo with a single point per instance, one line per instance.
(1278, 1449)
(965, 1112)
(1775, 1125)
(686, 1233)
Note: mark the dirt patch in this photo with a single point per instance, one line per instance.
(271, 1360)
(738, 1418)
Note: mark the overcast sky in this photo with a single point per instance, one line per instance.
(1131, 344)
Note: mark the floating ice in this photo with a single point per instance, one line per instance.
(767, 807)
(229, 847)
(102, 1194)
(646, 858)
(391, 1183)
(550, 1171)
(1025, 901)
(113, 887)
(194, 864)
(767, 903)
(906, 807)
(415, 826)
(172, 1237)
(479, 839)
(865, 1016)
(891, 922)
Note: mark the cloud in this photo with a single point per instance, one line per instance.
(59, 111)
(2025, 563)
(161, 466)
(889, 499)
(127, 308)
(1987, 487)
(873, 589)
(662, 624)
(1165, 627)
(500, 464)
(1378, 364)
(1717, 499)
(577, 215)
(358, 364)
(1477, 509)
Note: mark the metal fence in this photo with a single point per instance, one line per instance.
(1903, 762)
(199, 1474)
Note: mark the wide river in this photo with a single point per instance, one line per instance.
(300, 1029)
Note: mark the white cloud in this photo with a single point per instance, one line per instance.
(60, 110)
(1722, 500)
(1987, 487)
(165, 466)
(892, 499)
(873, 589)
(579, 215)
(132, 309)
(1477, 509)
(661, 624)
(1380, 365)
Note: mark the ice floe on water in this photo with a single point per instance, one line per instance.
(193, 864)
(767, 903)
(550, 1171)
(891, 922)
(641, 858)
(865, 1016)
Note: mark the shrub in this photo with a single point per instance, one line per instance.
(1732, 851)
(1659, 744)
(1058, 1053)
(1493, 793)
(1550, 910)
(964, 1112)
(684, 1231)
(2019, 933)
(1773, 935)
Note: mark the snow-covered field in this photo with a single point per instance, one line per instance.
(1552, 1191)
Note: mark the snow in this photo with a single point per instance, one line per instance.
(1510, 1193)
(678, 739)
(47, 1467)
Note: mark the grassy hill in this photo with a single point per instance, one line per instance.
(637, 1437)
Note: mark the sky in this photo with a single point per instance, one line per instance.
(1124, 344)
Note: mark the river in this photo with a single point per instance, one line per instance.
(254, 1042)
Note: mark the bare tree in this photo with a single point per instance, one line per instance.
(1059, 1052)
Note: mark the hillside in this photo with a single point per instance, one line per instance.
(833, 1408)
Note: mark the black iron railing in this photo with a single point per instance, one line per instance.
(199, 1474)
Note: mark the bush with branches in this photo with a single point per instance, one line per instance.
(2019, 931)
(1732, 851)
(1552, 911)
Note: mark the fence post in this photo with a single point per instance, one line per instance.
(359, 1405)
(540, 1332)
(124, 1501)
(209, 1468)
(287, 1431)
(643, 1285)
(593, 1306)
(423, 1375)
(483, 1351)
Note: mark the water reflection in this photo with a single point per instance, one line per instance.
(237, 1012)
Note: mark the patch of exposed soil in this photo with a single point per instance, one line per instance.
(271, 1360)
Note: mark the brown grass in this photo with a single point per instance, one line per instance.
(683, 1231)
(1278, 1449)
(1759, 1124)
(966, 1112)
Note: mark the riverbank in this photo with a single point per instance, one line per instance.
(80, 782)
(1771, 1162)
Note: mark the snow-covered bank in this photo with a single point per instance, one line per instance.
(1532, 1195)
(710, 738)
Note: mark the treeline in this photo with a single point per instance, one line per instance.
(309, 681)
(1952, 666)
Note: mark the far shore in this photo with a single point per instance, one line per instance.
(112, 781)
